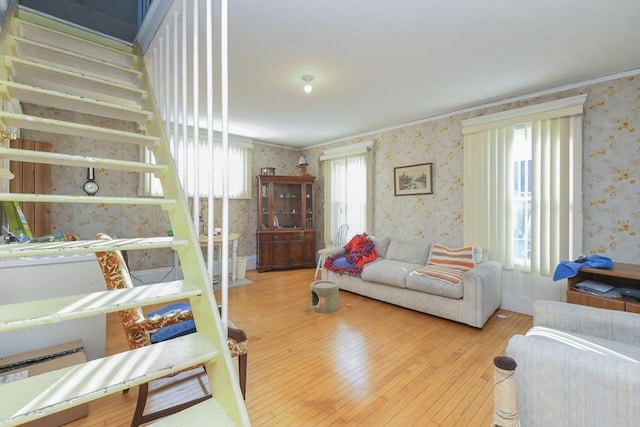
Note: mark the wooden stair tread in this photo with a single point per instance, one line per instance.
(53, 78)
(60, 309)
(46, 157)
(50, 392)
(207, 413)
(50, 98)
(57, 198)
(73, 43)
(18, 250)
(43, 124)
(70, 61)
(51, 22)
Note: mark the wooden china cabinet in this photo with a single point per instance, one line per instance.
(286, 227)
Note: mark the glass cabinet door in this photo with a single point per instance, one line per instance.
(287, 209)
(265, 194)
(308, 215)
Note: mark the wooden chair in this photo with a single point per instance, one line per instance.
(161, 325)
(339, 240)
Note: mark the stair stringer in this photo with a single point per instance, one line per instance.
(208, 346)
(224, 387)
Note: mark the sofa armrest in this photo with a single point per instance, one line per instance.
(581, 388)
(488, 272)
(482, 292)
(580, 319)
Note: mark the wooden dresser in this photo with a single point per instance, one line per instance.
(286, 227)
(621, 276)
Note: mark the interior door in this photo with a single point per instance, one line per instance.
(33, 178)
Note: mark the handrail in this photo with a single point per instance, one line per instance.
(150, 16)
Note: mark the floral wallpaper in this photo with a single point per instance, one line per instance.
(611, 181)
(611, 165)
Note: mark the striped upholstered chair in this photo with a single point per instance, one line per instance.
(577, 366)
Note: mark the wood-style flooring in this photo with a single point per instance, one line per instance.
(368, 364)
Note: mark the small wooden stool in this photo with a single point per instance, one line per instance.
(324, 296)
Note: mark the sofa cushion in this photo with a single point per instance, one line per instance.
(382, 244)
(411, 252)
(433, 286)
(388, 272)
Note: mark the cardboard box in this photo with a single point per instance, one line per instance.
(31, 363)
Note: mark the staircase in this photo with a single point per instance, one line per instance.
(48, 63)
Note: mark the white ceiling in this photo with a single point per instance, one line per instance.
(382, 63)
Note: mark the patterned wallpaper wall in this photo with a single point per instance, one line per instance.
(611, 181)
(611, 177)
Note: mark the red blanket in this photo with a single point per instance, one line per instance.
(359, 251)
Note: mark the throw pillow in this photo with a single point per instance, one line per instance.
(458, 258)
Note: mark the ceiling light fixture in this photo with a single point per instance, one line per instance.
(308, 78)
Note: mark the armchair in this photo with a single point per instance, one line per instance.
(578, 366)
(160, 325)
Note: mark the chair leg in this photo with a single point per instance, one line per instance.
(318, 267)
(140, 418)
(143, 391)
(242, 373)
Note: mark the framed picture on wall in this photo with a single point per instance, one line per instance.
(414, 179)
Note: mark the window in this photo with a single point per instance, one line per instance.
(347, 189)
(239, 170)
(522, 187)
(523, 183)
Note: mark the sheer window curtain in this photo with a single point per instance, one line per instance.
(555, 134)
(239, 170)
(347, 178)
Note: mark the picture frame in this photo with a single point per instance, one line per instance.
(413, 179)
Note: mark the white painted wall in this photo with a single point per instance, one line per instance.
(28, 279)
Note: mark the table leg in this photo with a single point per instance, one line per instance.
(234, 252)
(176, 265)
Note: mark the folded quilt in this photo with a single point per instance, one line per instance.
(449, 275)
(448, 264)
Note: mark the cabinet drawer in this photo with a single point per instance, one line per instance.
(287, 237)
(633, 307)
(594, 301)
(264, 237)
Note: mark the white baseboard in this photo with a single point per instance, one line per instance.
(520, 290)
(156, 275)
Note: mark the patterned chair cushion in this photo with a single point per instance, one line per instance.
(162, 324)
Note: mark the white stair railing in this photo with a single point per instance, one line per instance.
(38, 77)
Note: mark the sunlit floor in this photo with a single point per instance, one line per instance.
(370, 363)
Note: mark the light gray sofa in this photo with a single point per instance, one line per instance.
(389, 279)
(560, 385)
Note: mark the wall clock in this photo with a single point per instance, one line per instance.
(91, 186)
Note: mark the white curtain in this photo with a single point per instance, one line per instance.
(549, 212)
(347, 190)
(239, 170)
(487, 202)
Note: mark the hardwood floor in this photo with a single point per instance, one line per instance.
(370, 363)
